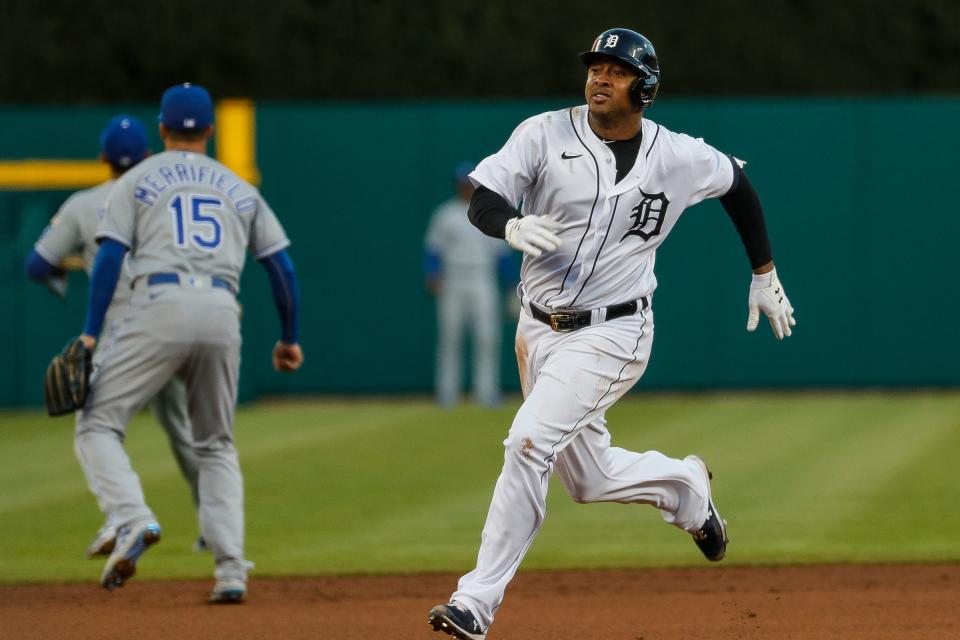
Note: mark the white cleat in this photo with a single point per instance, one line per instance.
(228, 592)
(231, 585)
(132, 541)
(103, 543)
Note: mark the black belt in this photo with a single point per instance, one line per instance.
(567, 321)
(174, 278)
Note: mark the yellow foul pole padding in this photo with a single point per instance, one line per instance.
(51, 174)
(235, 147)
(236, 137)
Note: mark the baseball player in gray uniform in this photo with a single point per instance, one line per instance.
(461, 267)
(601, 188)
(187, 222)
(72, 230)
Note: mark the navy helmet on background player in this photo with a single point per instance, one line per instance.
(632, 49)
(123, 142)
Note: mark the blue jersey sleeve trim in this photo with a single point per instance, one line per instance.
(38, 267)
(103, 281)
(432, 263)
(286, 293)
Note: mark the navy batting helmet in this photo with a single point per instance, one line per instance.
(635, 51)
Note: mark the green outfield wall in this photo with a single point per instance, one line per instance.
(859, 194)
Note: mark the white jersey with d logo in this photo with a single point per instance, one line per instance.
(557, 167)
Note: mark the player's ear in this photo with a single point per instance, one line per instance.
(209, 133)
(103, 158)
(164, 132)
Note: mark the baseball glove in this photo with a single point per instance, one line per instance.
(67, 382)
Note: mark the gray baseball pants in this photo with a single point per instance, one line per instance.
(468, 302)
(171, 330)
(169, 407)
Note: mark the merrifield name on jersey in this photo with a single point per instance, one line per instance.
(150, 185)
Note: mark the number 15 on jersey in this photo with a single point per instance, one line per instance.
(197, 221)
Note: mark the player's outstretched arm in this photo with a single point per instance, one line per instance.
(50, 275)
(766, 293)
(103, 282)
(287, 354)
(39, 269)
(61, 237)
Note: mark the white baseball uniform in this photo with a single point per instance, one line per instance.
(469, 296)
(557, 167)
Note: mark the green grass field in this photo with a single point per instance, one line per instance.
(383, 486)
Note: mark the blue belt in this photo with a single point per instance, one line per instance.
(174, 278)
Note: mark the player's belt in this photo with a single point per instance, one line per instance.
(174, 278)
(567, 321)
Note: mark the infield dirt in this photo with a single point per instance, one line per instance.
(798, 602)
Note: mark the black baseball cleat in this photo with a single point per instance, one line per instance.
(455, 620)
(711, 537)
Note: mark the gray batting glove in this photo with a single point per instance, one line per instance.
(532, 234)
(767, 295)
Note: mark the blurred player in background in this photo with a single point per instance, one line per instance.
(69, 242)
(187, 222)
(462, 266)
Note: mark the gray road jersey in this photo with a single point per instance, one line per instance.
(73, 231)
(464, 250)
(186, 212)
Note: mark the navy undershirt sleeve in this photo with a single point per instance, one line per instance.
(743, 206)
(489, 212)
(39, 269)
(286, 293)
(103, 282)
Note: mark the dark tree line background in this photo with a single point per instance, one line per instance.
(90, 51)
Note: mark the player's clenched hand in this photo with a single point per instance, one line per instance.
(767, 295)
(532, 234)
(287, 357)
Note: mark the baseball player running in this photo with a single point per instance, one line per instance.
(123, 143)
(601, 188)
(186, 221)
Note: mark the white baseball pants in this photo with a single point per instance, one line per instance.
(569, 381)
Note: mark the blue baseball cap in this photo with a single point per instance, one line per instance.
(186, 107)
(462, 172)
(124, 141)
